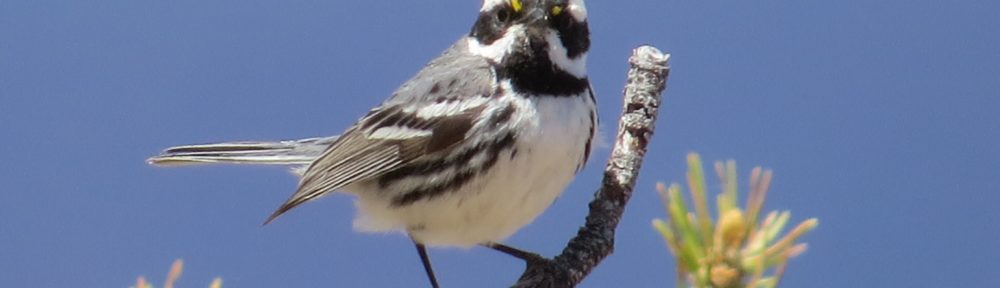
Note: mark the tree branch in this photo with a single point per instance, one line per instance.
(594, 241)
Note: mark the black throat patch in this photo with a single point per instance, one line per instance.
(532, 72)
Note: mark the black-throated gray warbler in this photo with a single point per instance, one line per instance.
(468, 151)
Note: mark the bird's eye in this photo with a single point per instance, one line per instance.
(556, 10)
(503, 15)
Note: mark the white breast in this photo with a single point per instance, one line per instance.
(520, 186)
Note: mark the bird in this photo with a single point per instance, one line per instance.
(468, 151)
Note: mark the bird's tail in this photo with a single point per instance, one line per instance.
(293, 152)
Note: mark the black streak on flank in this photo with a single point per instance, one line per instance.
(428, 192)
(463, 176)
(586, 146)
(425, 168)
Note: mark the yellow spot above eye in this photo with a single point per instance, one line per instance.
(516, 4)
(556, 10)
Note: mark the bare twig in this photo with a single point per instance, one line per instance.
(594, 241)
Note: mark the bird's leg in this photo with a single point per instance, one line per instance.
(529, 257)
(427, 263)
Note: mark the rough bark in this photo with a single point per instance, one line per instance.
(594, 241)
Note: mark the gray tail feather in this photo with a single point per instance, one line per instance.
(293, 152)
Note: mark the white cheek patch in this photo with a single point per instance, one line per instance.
(557, 53)
(498, 49)
(577, 9)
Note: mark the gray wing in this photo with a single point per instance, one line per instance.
(427, 115)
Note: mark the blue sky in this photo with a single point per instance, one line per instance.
(878, 117)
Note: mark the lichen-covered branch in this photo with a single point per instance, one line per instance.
(594, 241)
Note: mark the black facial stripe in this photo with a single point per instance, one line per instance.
(455, 182)
(575, 36)
(488, 27)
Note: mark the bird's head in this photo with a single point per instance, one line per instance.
(515, 32)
